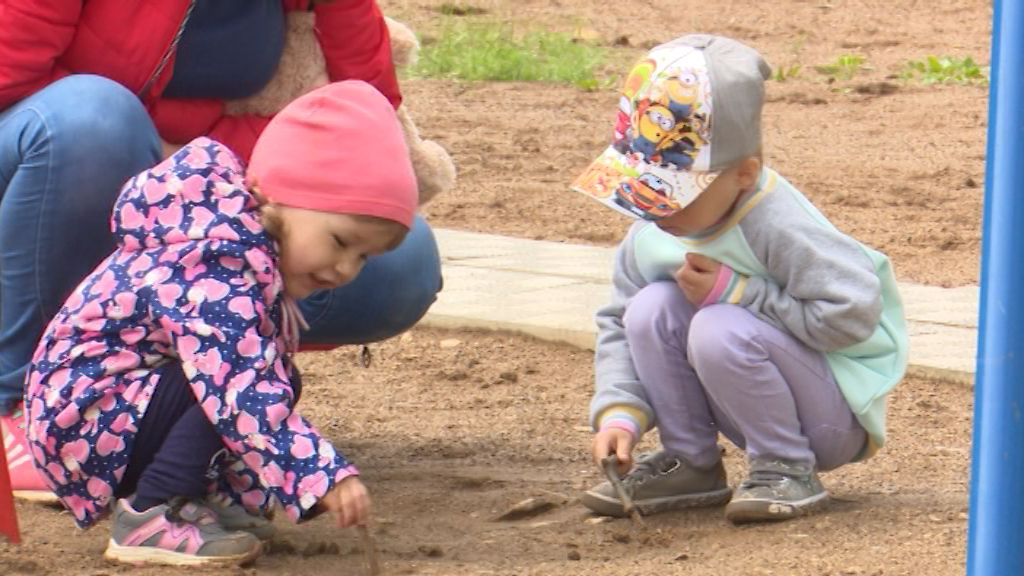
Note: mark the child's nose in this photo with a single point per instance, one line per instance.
(347, 269)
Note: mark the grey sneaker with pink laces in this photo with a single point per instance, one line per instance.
(180, 533)
(232, 517)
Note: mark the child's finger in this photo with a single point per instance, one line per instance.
(625, 458)
(345, 518)
(341, 517)
(600, 447)
(689, 279)
(700, 262)
(362, 511)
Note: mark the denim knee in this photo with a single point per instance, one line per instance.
(101, 117)
(418, 290)
(95, 135)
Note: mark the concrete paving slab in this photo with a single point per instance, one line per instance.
(950, 306)
(551, 290)
(540, 257)
(947, 351)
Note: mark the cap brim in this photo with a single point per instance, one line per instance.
(638, 189)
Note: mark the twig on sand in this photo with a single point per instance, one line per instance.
(369, 550)
(610, 465)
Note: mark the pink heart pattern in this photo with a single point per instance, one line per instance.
(194, 280)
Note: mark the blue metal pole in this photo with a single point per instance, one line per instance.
(995, 539)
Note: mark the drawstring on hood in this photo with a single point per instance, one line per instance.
(294, 322)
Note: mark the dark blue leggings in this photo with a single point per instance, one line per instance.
(176, 451)
(174, 446)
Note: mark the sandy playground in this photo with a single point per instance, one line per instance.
(451, 428)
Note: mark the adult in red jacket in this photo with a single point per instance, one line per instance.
(134, 44)
(90, 93)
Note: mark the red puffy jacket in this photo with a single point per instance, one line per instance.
(132, 42)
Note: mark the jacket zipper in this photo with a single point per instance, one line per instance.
(167, 54)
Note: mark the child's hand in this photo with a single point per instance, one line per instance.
(697, 277)
(349, 502)
(617, 441)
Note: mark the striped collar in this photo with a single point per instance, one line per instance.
(765, 184)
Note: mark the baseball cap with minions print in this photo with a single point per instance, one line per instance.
(689, 109)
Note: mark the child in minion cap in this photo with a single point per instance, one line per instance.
(168, 373)
(666, 150)
(737, 307)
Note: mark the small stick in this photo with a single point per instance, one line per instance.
(610, 465)
(369, 550)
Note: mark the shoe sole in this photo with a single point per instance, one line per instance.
(264, 533)
(606, 506)
(37, 496)
(17, 455)
(746, 511)
(136, 555)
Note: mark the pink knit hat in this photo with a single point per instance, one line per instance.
(340, 149)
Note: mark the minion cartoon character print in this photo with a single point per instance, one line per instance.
(659, 156)
(668, 125)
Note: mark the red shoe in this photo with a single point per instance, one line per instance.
(26, 483)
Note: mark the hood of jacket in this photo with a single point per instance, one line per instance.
(199, 193)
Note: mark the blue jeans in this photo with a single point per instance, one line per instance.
(65, 152)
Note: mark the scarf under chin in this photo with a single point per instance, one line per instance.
(293, 323)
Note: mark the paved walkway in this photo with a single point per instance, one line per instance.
(551, 290)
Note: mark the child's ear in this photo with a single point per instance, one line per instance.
(271, 217)
(749, 172)
(253, 186)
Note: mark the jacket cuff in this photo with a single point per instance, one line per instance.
(728, 288)
(625, 418)
(311, 490)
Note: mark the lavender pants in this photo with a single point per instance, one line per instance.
(722, 369)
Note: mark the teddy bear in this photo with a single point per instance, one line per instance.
(302, 68)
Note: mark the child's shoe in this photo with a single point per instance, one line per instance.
(233, 517)
(182, 533)
(776, 490)
(658, 482)
(26, 483)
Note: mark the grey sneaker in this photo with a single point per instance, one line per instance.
(182, 533)
(776, 490)
(234, 517)
(658, 482)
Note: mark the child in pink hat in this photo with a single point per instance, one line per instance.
(165, 390)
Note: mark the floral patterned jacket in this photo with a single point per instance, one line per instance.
(194, 279)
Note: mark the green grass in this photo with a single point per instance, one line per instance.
(945, 70)
(791, 71)
(783, 73)
(844, 67)
(493, 52)
(450, 9)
